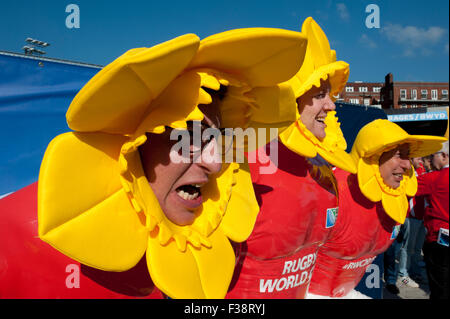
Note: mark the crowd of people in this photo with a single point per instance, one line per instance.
(122, 193)
(427, 210)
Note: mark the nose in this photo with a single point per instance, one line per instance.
(210, 159)
(405, 164)
(329, 104)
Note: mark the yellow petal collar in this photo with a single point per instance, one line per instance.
(125, 220)
(301, 141)
(371, 184)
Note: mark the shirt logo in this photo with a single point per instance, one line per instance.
(395, 231)
(331, 217)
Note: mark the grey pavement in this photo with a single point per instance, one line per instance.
(422, 292)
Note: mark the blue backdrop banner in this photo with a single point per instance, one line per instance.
(34, 96)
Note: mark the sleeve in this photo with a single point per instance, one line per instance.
(425, 184)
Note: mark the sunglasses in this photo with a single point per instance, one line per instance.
(198, 136)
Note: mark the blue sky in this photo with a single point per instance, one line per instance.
(412, 41)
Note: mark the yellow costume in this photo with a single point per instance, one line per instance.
(371, 142)
(94, 201)
(319, 64)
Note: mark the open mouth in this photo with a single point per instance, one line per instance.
(320, 119)
(398, 176)
(189, 191)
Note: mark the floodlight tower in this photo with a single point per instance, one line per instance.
(31, 49)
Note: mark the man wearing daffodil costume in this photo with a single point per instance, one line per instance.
(142, 216)
(299, 201)
(372, 205)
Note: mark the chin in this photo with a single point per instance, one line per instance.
(180, 216)
(319, 135)
(394, 185)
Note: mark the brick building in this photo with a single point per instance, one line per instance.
(362, 93)
(397, 95)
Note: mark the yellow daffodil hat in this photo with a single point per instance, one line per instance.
(372, 141)
(95, 204)
(319, 64)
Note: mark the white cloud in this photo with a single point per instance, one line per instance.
(343, 11)
(413, 39)
(367, 42)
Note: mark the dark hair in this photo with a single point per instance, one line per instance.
(221, 93)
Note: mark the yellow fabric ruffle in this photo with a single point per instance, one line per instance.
(371, 184)
(372, 141)
(319, 64)
(301, 141)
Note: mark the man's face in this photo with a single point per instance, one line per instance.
(177, 185)
(416, 161)
(439, 160)
(313, 107)
(394, 164)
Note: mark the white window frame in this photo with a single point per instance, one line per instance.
(354, 101)
(349, 89)
(366, 102)
(434, 94)
(376, 89)
(363, 89)
(444, 94)
(413, 94)
(423, 93)
(403, 106)
(403, 94)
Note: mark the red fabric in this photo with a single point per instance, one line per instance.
(362, 231)
(420, 170)
(277, 259)
(435, 185)
(417, 204)
(30, 268)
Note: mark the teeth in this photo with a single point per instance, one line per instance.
(187, 196)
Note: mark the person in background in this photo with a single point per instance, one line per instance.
(435, 185)
(407, 239)
(417, 206)
(427, 164)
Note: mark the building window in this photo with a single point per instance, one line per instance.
(434, 95)
(444, 95)
(402, 94)
(367, 102)
(376, 89)
(362, 89)
(423, 94)
(424, 105)
(414, 105)
(349, 89)
(403, 106)
(414, 94)
(354, 101)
